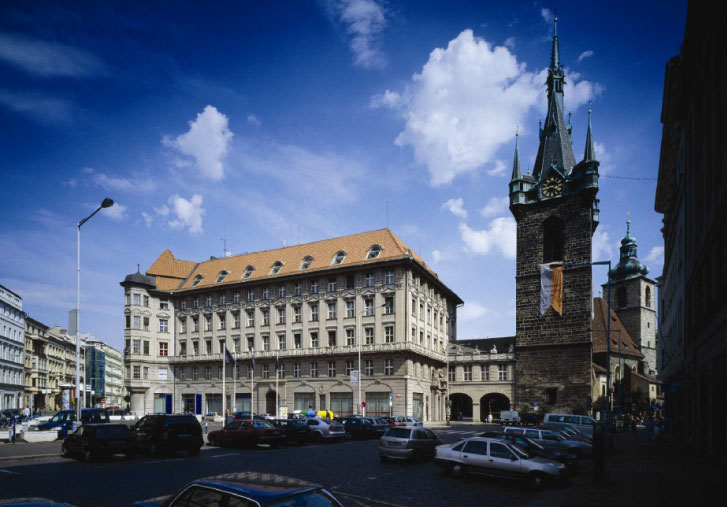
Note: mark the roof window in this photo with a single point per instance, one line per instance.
(338, 258)
(196, 281)
(276, 268)
(306, 262)
(248, 272)
(223, 274)
(373, 252)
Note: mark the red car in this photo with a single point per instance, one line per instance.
(246, 433)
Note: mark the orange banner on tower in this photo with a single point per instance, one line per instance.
(556, 290)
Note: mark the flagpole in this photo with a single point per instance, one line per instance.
(252, 389)
(234, 385)
(277, 396)
(224, 392)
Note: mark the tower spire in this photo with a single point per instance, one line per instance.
(555, 52)
(589, 153)
(516, 173)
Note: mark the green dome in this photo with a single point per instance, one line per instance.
(628, 265)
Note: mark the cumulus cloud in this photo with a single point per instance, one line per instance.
(495, 206)
(253, 120)
(499, 169)
(148, 219)
(48, 59)
(472, 310)
(604, 158)
(656, 256)
(500, 236)
(137, 183)
(117, 212)
(601, 246)
(388, 99)
(584, 55)
(456, 207)
(186, 214)
(547, 15)
(510, 42)
(207, 141)
(364, 21)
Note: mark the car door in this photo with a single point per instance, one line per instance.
(502, 461)
(474, 456)
(431, 443)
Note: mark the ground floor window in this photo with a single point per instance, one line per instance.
(342, 404)
(304, 401)
(214, 403)
(377, 404)
(242, 402)
(418, 405)
(188, 403)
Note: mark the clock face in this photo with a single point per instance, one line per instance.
(552, 186)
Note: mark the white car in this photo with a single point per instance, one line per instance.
(407, 420)
(498, 458)
(323, 429)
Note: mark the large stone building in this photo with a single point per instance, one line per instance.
(309, 308)
(690, 192)
(556, 211)
(12, 351)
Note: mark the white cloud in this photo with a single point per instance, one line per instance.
(117, 212)
(495, 206)
(135, 184)
(364, 21)
(42, 108)
(187, 213)
(547, 15)
(437, 255)
(456, 207)
(253, 120)
(162, 210)
(500, 236)
(207, 141)
(577, 93)
(601, 245)
(499, 169)
(48, 59)
(604, 158)
(472, 310)
(584, 55)
(510, 42)
(389, 99)
(656, 256)
(148, 219)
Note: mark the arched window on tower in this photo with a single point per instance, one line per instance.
(648, 297)
(621, 297)
(553, 240)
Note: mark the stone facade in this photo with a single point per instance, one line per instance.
(12, 350)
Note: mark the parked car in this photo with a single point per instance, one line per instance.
(407, 420)
(11, 414)
(247, 488)
(498, 458)
(247, 433)
(389, 421)
(582, 423)
(534, 448)
(168, 432)
(551, 440)
(323, 429)
(32, 502)
(94, 440)
(246, 415)
(408, 443)
(294, 431)
(567, 433)
(64, 419)
(380, 425)
(509, 417)
(357, 427)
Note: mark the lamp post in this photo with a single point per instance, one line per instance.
(359, 331)
(106, 203)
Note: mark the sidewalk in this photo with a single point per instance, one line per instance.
(639, 472)
(24, 450)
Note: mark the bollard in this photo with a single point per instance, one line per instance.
(13, 429)
(205, 426)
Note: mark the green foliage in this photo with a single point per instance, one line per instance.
(525, 409)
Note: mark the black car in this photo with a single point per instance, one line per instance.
(357, 427)
(168, 433)
(94, 440)
(534, 448)
(246, 416)
(296, 432)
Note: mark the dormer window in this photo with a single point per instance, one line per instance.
(248, 272)
(306, 262)
(223, 274)
(373, 252)
(276, 268)
(196, 281)
(338, 258)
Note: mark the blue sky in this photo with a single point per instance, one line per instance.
(272, 122)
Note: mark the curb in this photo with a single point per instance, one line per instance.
(28, 456)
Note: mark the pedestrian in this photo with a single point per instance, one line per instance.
(26, 414)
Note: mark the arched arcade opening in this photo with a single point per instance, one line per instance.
(461, 407)
(493, 403)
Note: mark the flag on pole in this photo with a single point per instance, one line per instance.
(551, 288)
(228, 356)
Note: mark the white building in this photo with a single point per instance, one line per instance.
(12, 349)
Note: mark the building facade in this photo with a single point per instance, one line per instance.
(307, 309)
(105, 367)
(12, 349)
(690, 193)
(556, 211)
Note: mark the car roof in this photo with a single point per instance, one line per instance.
(259, 486)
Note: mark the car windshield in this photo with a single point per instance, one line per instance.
(261, 425)
(60, 416)
(307, 499)
(398, 433)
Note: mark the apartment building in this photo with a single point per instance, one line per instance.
(12, 351)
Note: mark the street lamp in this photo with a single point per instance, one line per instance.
(106, 203)
(359, 331)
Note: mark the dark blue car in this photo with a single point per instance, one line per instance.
(247, 488)
(63, 420)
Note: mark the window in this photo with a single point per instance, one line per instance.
(223, 299)
(236, 341)
(128, 298)
(369, 280)
(251, 295)
(499, 451)
(451, 374)
(314, 339)
(553, 240)
(388, 367)
(331, 285)
(250, 343)
(468, 372)
(314, 369)
(297, 290)
(137, 322)
(137, 299)
(349, 368)
(281, 314)
(281, 291)
(281, 370)
(350, 308)
(297, 341)
(331, 368)
(146, 347)
(485, 372)
(195, 302)
(369, 367)
(332, 338)
(207, 373)
(373, 252)
(389, 334)
(146, 373)
(195, 373)
(502, 372)
(389, 277)
(196, 280)
(413, 307)
(369, 335)
(162, 373)
(266, 293)
(184, 304)
(208, 346)
(183, 325)
(621, 297)
(296, 313)
(306, 262)
(421, 311)
(314, 287)
(183, 348)
(235, 320)
(281, 341)
(296, 370)
(222, 319)
(350, 337)
(137, 372)
(195, 324)
(208, 322)
(266, 317)
(137, 347)
(332, 310)
(551, 395)
(276, 268)
(350, 281)
(146, 323)
(248, 271)
(389, 305)
(235, 297)
(181, 373)
(266, 343)
(146, 301)
(647, 297)
(208, 301)
(339, 257)
(223, 274)
(314, 312)
(195, 347)
(163, 304)
(368, 307)
(421, 337)
(163, 349)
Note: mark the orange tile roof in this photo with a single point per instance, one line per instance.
(356, 247)
(166, 283)
(167, 265)
(618, 332)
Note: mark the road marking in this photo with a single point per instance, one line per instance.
(163, 460)
(8, 472)
(369, 501)
(224, 455)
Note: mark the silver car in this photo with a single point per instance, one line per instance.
(552, 440)
(405, 443)
(498, 458)
(323, 429)
(407, 420)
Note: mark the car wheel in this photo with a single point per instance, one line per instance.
(194, 451)
(212, 441)
(536, 481)
(458, 470)
(87, 456)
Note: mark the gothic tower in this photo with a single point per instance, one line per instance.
(633, 300)
(556, 211)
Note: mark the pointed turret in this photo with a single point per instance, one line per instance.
(589, 153)
(516, 173)
(555, 51)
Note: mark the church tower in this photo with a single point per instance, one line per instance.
(556, 211)
(633, 300)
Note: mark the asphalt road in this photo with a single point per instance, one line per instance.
(349, 469)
